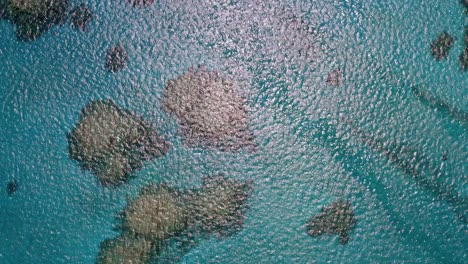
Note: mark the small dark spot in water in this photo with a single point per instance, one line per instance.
(463, 58)
(445, 156)
(335, 78)
(441, 46)
(81, 16)
(466, 36)
(116, 58)
(12, 187)
(141, 2)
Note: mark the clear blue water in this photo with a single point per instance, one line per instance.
(61, 214)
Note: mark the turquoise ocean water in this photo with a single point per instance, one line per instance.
(280, 53)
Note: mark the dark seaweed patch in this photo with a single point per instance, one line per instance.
(337, 218)
(441, 46)
(116, 58)
(81, 17)
(12, 187)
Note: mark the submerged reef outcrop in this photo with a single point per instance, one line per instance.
(136, 3)
(81, 16)
(112, 142)
(12, 187)
(161, 214)
(158, 213)
(116, 58)
(335, 78)
(33, 17)
(465, 5)
(219, 206)
(463, 58)
(337, 218)
(125, 249)
(209, 110)
(441, 46)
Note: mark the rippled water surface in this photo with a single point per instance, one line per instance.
(317, 143)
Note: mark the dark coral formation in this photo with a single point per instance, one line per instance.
(125, 249)
(158, 213)
(441, 46)
(3, 9)
(219, 206)
(465, 5)
(466, 36)
(463, 58)
(136, 3)
(337, 218)
(210, 111)
(335, 78)
(161, 214)
(12, 187)
(116, 58)
(81, 17)
(33, 17)
(112, 142)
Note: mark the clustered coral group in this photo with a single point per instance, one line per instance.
(112, 142)
(209, 110)
(33, 17)
(441, 45)
(161, 213)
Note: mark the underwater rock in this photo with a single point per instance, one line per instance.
(441, 46)
(169, 218)
(219, 206)
(158, 213)
(3, 9)
(463, 58)
(125, 250)
(466, 36)
(112, 142)
(141, 2)
(465, 5)
(81, 16)
(12, 187)
(209, 110)
(445, 156)
(116, 58)
(337, 218)
(335, 78)
(34, 17)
